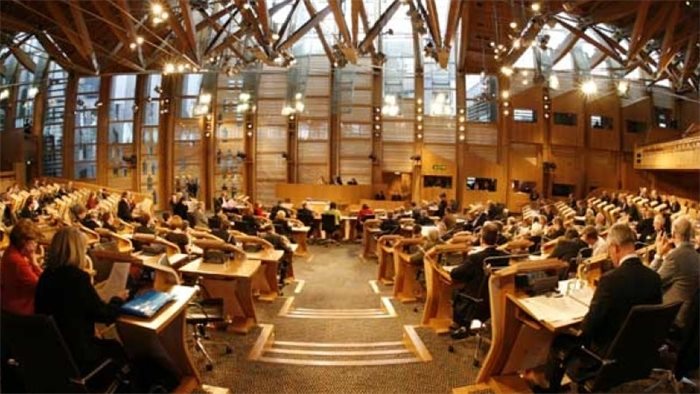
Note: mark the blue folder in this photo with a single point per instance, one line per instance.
(147, 304)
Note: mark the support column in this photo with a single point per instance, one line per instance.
(292, 149)
(138, 125)
(166, 127)
(334, 129)
(461, 136)
(377, 98)
(69, 127)
(103, 131)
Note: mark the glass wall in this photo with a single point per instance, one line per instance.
(54, 115)
(85, 134)
(188, 148)
(121, 154)
(229, 136)
(150, 164)
(271, 136)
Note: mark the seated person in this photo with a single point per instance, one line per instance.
(197, 216)
(590, 236)
(180, 208)
(679, 269)
(258, 210)
(219, 225)
(380, 196)
(31, 209)
(431, 240)
(277, 208)
(424, 219)
(178, 234)
(362, 215)
(629, 284)
(471, 274)
(20, 270)
(333, 210)
(389, 225)
(81, 216)
(145, 225)
(279, 242)
(109, 222)
(305, 215)
(281, 225)
(125, 208)
(556, 230)
(568, 247)
(447, 226)
(352, 181)
(600, 223)
(64, 292)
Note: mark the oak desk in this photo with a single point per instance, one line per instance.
(385, 257)
(265, 282)
(406, 286)
(233, 282)
(437, 313)
(300, 235)
(163, 337)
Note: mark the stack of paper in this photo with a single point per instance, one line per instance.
(553, 310)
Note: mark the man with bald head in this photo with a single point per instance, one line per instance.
(679, 268)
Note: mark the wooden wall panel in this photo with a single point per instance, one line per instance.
(528, 132)
(569, 102)
(601, 170)
(481, 162)
(609, 138)
(525, 162)
(569, 168)
(639, 111)
(689, 114)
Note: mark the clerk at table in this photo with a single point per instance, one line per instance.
(629, 284)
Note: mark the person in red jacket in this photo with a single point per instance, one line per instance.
(19, 270)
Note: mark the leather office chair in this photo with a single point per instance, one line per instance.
(633, 353)
(332, 230)
(200, 314)
(44, 363)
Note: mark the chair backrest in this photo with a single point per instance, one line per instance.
(328, 222)
(45, 363)
(635, 349)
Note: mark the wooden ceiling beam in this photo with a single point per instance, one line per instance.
(690, 60)
(464, 38)
(529, 33)
(254, 27)
(131, 31)
(119, 31)
(433, 22)
(452, 22)
(564, 48)
(184, 42)
(310, 24)
(379, 25)
(611, 12)
(319, 32)
(285, 25)
(355, 18)
(636, 42)
(263, 17)
(214, 18)
(79, 20)
(60, 19)
(340, 21)
(365, 24)
(189, 27)
(668, 52)
(227, 42)
(614, 55)
(219, 33)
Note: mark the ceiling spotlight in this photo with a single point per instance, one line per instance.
(507, 71)
(139, 40)
(536, 6)
(505, 94)
(514, 25)
(589, 87)
(31, 93)
(156, 8)
(169, 68)
(132, 46)
(553, 82)
(623, 86)
(275, 36)
(246, 6)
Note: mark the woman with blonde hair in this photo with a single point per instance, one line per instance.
(65, 292)
(178, 234)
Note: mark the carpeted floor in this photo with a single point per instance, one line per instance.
(336, 278)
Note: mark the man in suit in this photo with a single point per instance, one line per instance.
(279, 242)
(679, 269)
(124, 208)
(471, 274)
(568, 247)
(629, 284)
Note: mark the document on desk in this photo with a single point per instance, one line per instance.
(449, 268)
(557, 311)
(115, 283)
(583, 295)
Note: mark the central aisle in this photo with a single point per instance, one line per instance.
(336, 316)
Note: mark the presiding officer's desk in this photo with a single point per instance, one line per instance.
(437, 313)
(232, 282)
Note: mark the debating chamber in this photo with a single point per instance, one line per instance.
(349, 196)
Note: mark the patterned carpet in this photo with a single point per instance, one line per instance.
(336, 278)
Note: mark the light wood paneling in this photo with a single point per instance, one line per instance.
(569, 102)
(606, 138)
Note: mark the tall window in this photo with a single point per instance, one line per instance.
(85, 140)
(188, 136)
(228, 165)
(271, 134)
(354, 104)
(122, 157)
(150, 179)
(54, 115)
(313, 125)
(25, 98)
(481, 98)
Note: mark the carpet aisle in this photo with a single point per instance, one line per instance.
(336, 278)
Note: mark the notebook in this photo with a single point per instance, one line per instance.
(147, 304)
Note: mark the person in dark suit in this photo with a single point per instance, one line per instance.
(144, 227)
(629, 284)
(475, 224)
(471, 274)
(180, 208)
(442, 205)
(219, 228)
(389, 225)
(31, 209)
(178, 234)
(279, 242)
(64, 292)
(125, 208)
(679, 269)
(568, 247)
